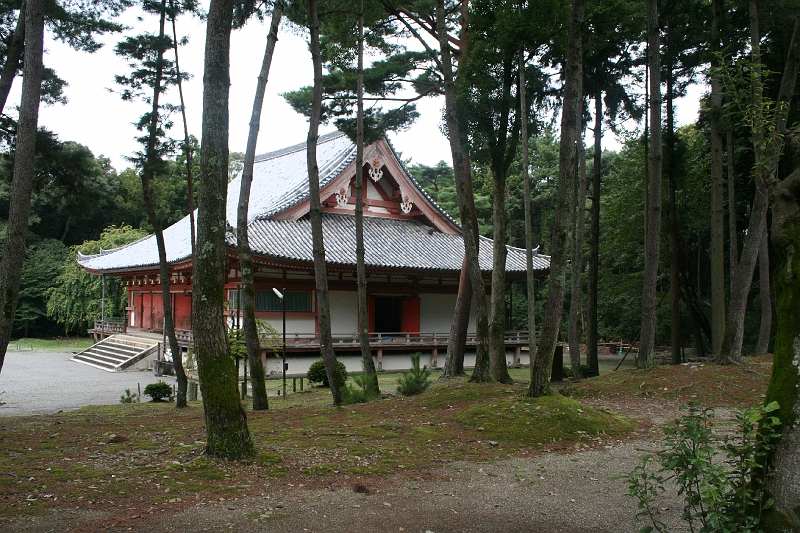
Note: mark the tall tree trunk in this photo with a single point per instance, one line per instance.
(14, 53)
(717, 204)
(530, 280)
(652, 239)
(593, 268)
(227, 435)
(674, 292)
(24, 172)
(542, 364)
(368, 365)
(733, 233)
(246, 265)
(149, 170)
(335, 378)
(784, 385)
(465, 204)
(497, 332)
(187, 146)
(576, 274)
(762, 346)
(731, 349)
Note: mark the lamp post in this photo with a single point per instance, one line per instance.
(280, 295)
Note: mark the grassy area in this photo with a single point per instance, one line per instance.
(58, 344)
(149, 456)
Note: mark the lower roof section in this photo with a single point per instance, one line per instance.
(388, 243)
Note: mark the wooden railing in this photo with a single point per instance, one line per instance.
(296, 341)
(109, 325)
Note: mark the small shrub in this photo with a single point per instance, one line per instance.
(360, 392)
(718, 496)
(417, 380)
(158, 391)
(316, 372)
(129, 397)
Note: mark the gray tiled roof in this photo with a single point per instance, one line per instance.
(388, 243)
(280, 182)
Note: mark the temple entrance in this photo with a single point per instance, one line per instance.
(388, 314)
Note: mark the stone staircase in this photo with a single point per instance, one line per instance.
(117, 352)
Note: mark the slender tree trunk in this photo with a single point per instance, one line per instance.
(530, 280)
(733, 233)
(465, 204)
(717, 205)
(246, 264)
(226, 422)
(371, 376)
(652, 238)
(576, 274)
(762, 346)
(187, 146)
(498, 366)
(149, 171)
(594, 241)
(24, 172)
(674, 292)
(335, 379)
(454, 362)
(542, 364)
(13, 55)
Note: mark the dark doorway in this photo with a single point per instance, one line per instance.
(388, 314)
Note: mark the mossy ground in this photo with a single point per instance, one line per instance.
(149, 457)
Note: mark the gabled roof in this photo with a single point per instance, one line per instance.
(279, 228)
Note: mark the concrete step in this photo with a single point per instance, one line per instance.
(117, 352)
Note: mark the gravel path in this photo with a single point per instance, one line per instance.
(48, 382)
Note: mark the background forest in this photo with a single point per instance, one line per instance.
(82, 204)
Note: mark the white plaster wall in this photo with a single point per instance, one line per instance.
(436, 313)
(344, 312)
(293, 325)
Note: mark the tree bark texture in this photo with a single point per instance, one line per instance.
(24, 172)
(368, 365)
(576, 274)
(335, 378)
(674, 292)
(465, 204)
(733, 233)
(13, 54)
(784, 385)
(717, 204)
(652, 239)
(246, 265)
(542, 364)
(227, 435)
(530, 280)
(454, 361)
(765, 295)
(593, 268)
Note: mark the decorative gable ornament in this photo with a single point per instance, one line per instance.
(405, 203)
(375, 171)
(341, 197)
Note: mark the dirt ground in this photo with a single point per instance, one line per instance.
(572, 490)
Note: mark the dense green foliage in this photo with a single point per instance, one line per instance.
(316, 373)
(158, 391)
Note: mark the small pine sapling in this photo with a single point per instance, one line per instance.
(158, 391)
(415, 381)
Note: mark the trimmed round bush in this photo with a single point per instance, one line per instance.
(316, 372)
(158, 391)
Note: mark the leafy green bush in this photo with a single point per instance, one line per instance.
(718, 496)
(158, 391)
(129, 397)
(417, 380)
(316, 372)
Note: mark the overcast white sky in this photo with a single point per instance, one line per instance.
(100, 120)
